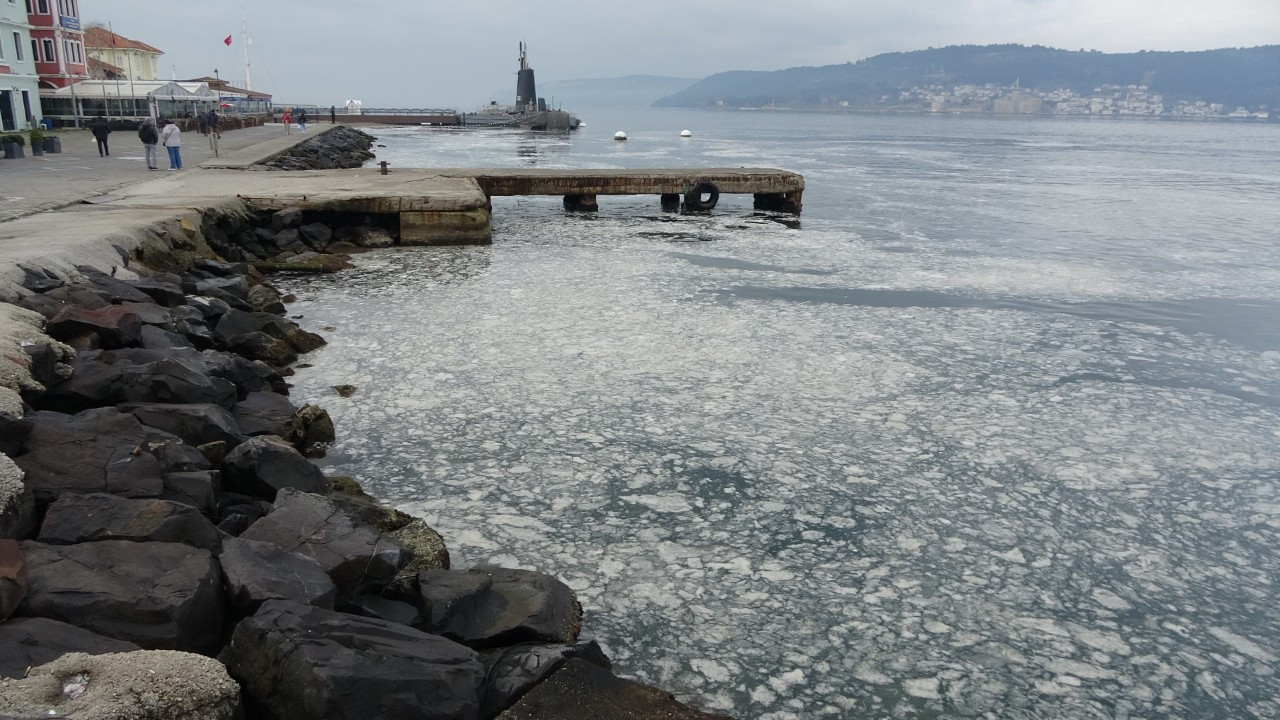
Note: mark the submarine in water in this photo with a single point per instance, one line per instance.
(529, 111)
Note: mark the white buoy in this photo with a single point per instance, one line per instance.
(685, 133)
(619, 135)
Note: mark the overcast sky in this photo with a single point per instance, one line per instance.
(409, 53)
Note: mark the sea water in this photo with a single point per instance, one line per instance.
(990, 430)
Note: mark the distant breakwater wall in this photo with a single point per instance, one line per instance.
(335, 148)
(163, 535)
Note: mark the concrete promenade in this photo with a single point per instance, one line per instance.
(36, 184)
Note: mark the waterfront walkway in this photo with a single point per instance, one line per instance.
(36, 184)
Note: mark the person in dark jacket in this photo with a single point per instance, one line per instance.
(100, 131)
(149, 136)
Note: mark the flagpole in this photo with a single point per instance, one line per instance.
(244, 32)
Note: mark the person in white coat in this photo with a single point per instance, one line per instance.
(171, 138)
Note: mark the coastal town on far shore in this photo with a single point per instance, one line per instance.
(1107, 100)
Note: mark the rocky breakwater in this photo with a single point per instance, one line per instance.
(336, 148)
(168, 550)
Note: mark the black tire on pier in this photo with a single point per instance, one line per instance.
(694, 200)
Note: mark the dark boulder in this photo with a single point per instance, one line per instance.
(510, 672)
(580, 689)
(164, 596)
(286, 218)
(222, 269)
(95, 451)
(265, 413)
(197, 488)
(264, 465)
(117, 376)
(13, 577)
(300, 662)
(40, 280)
(157, 338)
(96, 517)
(264, 298)
(357, 557)
(488, 606)
(247, 375)
(237, 513)
(14, 432)
(255, 572)
(162, 292)
(115, 325)
(311, 430)
(112, 289)
(27, 642)
(263, 347)
(376, 606)
(196, 424)
(316, 235)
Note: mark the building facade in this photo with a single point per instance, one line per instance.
(118, 57)
(19, 83)
(58, 42)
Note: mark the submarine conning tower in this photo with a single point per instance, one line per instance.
(526, 90)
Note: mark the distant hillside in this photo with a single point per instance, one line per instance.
(1245, 77)
(630, 91)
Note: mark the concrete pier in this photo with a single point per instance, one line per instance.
(449, 206)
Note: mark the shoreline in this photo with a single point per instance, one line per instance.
(165, 361)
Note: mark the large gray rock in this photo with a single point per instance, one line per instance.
(164, 596)
(197, 488)
(255, 572)
(580, 689)
(95, 517)
(95, 451)
(196, 424)
(263, 466)
(357, 558)
(265, 413)
(510, 672)
(28, 642)
(139, 685)
(111, 377)
(300, 663)
(489, 606)
(115, 325)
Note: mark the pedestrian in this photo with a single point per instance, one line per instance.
(287, 119)
(333, 115)
(202, 124)
(100, 131)
(149, 136)
(171, 136)
(302, 120)
(213, 122)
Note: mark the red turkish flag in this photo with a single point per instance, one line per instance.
(226, 40)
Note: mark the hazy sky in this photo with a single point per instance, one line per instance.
(409, 53)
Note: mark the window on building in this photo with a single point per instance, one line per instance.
(28, 7)
(42, 7)
(35, 51)
(1, 49)
(77, 52)
(49, 54)
(17, 46)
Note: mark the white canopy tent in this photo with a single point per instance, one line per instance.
(128, 99)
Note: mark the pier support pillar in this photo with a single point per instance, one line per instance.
(788, 202)
(671, 202)
(460, 227)
(581, 203)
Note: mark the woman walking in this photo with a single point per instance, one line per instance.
(171, 136)
(149, 137)
(100, 131)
